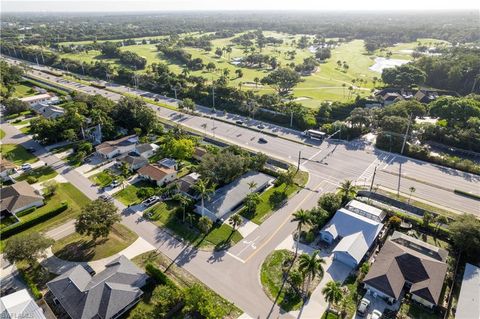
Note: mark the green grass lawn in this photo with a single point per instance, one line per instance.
(41, 174)
(65, 192)
(76, 247)
(17, 154)
(25, 130)
(412, 310)
(104, 178)
(7, 221)
(128, 195)
(271, 276)
(268, 205)
(22, 90)
(2, 134)
(168, 214)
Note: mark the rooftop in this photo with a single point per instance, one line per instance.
(230, 196)
(468, 305)
(365, 207)
(103, 295)
(20, 305)
(107, 147)
(155, 172)
(36, 97)
(18, 195)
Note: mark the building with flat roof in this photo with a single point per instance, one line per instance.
(229, 197)
(35, 99)
(468, 306)
(406, 264)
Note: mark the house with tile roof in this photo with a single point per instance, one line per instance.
(407, 264)
(108, 294)
(18, 197)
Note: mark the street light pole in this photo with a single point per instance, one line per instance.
(299, 157)
(406, 134)
(213, 97)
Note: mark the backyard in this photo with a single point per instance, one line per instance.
(76, 247)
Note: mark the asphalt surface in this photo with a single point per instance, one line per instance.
(235, 273)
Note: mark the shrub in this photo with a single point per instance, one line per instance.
(32, 179)
(277, 199)
(31, 221)
(26, 212)
(158, 275)
(394, 221)
(31, 284)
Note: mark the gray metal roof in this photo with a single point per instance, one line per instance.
(468, 306)
(230, 196)
(105, 294)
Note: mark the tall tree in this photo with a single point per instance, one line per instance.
(347, 190)
(205, 190)
(303, 218)
(26, 247)
(235, 220)
(97, 218)
(311, 266)
(333, 293)
(283, 80)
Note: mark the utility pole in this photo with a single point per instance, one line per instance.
(373, 178)
(213, 97)
(399, 178)
(291, 118)
(299, 157)
(406, 134)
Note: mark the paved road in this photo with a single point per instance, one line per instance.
(328, 165)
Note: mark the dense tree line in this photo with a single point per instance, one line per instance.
(383, 28)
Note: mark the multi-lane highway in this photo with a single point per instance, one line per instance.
(234, 273)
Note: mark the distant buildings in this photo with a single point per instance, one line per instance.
(468, 306)
(18, 197)
(39, 98)
(226, 199)
(388, 96)
(108, 294)
(406, 264)
(114, 148)
(20, 305)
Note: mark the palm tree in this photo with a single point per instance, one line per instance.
(190, 217)
(183, 201)
(412, 190)
(439, 220)
(205, 190)
(332, 293)
(235, 221)
(311, 266)
(348, 190)
(303, 218)
(252, 185)
(256, 80)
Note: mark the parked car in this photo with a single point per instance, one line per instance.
(376, 314)
(362, 309)
(262, 140)
(26, 167)
(239, 122)
(150, 201)
(261, 127)
(106, 197)
(31, 150)
(115, 183)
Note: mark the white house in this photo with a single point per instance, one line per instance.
(353, 233)
(366, 210)
(158, 174)
(39, 98)
(111, 149)
(146, 150)
(20, 305)
(7, 168)
(468, 306)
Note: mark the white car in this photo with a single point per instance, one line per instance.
(376, 314)
(150, 201)
(115, 183)
(362, 309)
(26, 167)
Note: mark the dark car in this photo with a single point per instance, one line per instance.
(261, 127)
(89, 270)
(239, 122)
(262, 140)
(31, 150)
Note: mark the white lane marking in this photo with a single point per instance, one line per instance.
(249, 243)
(389, 162)
(236, 257)
(314, 155)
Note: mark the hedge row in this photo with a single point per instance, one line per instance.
(441, 232)
(158, 275)
(25, 212)
(31, 284)
(23, 225)
(466, 194)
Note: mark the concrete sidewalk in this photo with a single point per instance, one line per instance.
(58, 266)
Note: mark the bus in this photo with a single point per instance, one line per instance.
(51, 72)
(98, 84)
(315, 134)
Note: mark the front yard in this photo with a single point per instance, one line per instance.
(169, 215)
(39, 174)
(17, 154)
(128, 195)
(104, 178)
(76, 247)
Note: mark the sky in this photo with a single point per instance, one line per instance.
(209, 5)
